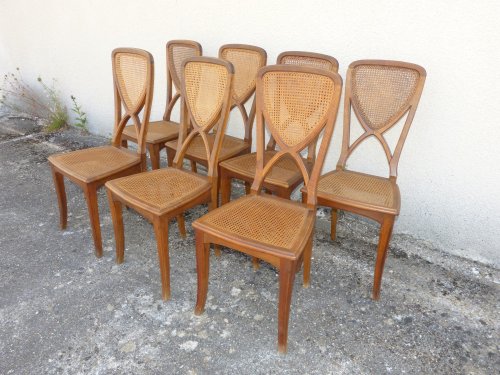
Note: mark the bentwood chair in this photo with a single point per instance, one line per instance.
(162, 194)
(165, 130)
(247, 60)
(133, 77)
(296, 103)
(380, 93)
(284, 178)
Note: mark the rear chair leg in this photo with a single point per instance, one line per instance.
(116, 214)
(182, 225)
(61, 198)
(383, 245)
(307, 262)
(225, 188)
(154, 155)
(91, 197)
(333, 228)
(161, 233)
(124, 143)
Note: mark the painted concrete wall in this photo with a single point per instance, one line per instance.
(450, 167)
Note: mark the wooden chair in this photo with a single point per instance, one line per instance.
(133, 76)
(162, 194)
(296, 103)
(284, 178)
(165, 130)
(247, 60)
(380, 93)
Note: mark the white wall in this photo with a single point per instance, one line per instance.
(450, 167)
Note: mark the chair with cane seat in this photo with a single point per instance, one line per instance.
(91, 168)
(380, 93)
(296, 104)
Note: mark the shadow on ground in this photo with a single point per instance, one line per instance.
(64, 311)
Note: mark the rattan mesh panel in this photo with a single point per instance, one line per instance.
(158, 131)
(296, 103)
(163, 187)
(196, 148)
(205, 86)
(131, 77)
(260, 219)
(381, 93)
(94, 161)
(358, 187)
(246, 65)
(177, 54)
(307, 61)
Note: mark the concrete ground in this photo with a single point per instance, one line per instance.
(64, 311)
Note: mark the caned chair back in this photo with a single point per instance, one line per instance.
(296, 104)
(206, 102)
(380, 93)
(133, 80)
(246, 60)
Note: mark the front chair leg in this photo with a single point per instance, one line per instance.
(287, 277)
(307, 262)
(154, 155)
(90, 192)
(383, 245)
(116, 215)
(161, 232)
(202, 268)
(170, 156)
(61, 198)
(225, 188)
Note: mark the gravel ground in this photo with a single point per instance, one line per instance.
(64, 311)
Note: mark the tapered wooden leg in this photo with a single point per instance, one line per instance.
(61, 198)
(333, 225)
(91, 198)
(170, 156)
(383, 245)
(116, 214)
(161, 233)
(287, 277)
(247, 187)
(182, 225)
(255, 263)
(225, 188)
(124, 143)
(154, 155)
(213, 205)
(202, 268)
(307, 262)
(193, 167)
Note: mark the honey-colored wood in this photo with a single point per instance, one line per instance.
(267, 227)
(247, 60)
(285, 177)
(166, 130)
(380, 93)
(91, 168)
(163, 194)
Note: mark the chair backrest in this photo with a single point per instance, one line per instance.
(296, 104)
(246, 60)
(380, 92)
(205, 105)
(313, 60)
(177, 52)
(133, 81)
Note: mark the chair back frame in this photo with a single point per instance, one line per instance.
(142, 102)
(173, 78)
(326, 123)
(409, 107)
(240, 100)
(190, 127)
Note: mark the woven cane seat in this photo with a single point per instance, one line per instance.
(161, 190)
(92, 164)
(231, 146)
(260, 221)
(360, 190)
(158, 132)
(285, 173)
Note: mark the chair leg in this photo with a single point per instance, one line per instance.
(383, 245)
(161, 233)
(255, 263)
(307, 262)
(202, 268)
(116, 214)
(287, 277)
(225, 188)
(182, 225)
(333, 225)
(247, 187)
(193, 167)
(124, 143)
(170, 156)
(154, 155)
(91, 197)
(61, 198)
